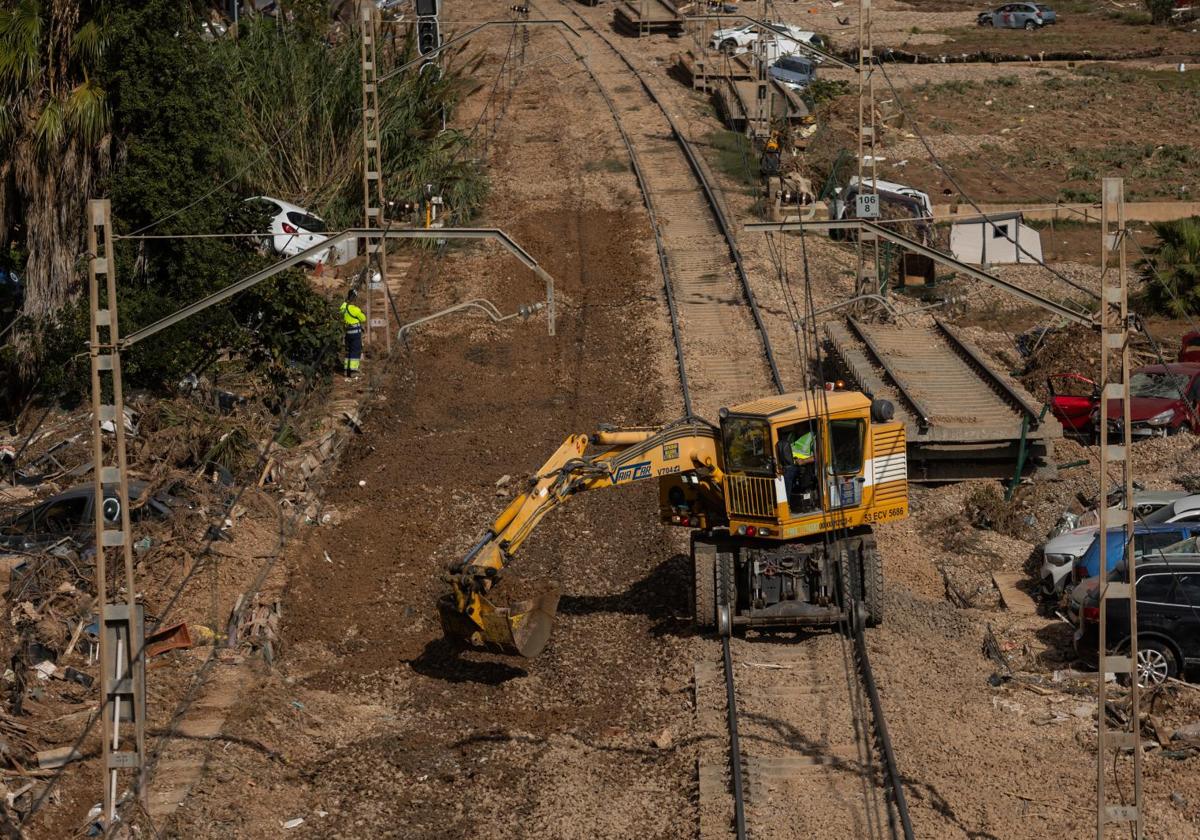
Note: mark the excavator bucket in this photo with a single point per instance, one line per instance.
(518, 629)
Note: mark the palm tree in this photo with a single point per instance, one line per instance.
(54, 143)
(1171, 270)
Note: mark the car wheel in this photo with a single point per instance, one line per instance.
(729, 46)
(1030, 26)
(1156, 663)
(986, 22)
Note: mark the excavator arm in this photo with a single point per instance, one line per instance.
(470, 612)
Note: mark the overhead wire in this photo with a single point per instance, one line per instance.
(800, 335)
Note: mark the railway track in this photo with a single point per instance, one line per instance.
(708, 290)
(962, 419)
(801, 740)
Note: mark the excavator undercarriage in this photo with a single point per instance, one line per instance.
(739, 583)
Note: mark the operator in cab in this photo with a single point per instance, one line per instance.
(802, 448)
(799, 445)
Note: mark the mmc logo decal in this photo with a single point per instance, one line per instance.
(633, 472)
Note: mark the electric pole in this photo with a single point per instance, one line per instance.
(120, 626)
(866, 196)
(1114, 342)
(376, 298)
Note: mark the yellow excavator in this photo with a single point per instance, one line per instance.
(780, 497)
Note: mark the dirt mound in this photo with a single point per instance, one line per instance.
(1071, 350)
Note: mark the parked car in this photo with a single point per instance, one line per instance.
(1019, 16)
(1148, 541)
(1186, 550)
(790, 39)
(795, 71)
(1067, 544)
(1168, 619)
(70, 515)
(293, 229)
(1163, 400)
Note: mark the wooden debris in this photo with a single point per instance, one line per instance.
(58, 757)
(1015, 599)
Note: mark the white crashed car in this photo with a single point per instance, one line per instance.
(735, 38)
(294, 229)
(790, 40)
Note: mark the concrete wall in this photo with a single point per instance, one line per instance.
(1140, 211)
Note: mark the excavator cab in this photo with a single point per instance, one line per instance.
(805, 478)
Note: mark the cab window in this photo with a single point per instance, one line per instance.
(747, 443)
(846, 438)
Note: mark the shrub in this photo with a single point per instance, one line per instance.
(1170, 272)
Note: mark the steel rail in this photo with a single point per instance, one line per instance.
(902, 384)
(893, 780)
(659, 245)
(421, 59)
(973, 359)
(735, 745)
(710, 196)
(735, 751)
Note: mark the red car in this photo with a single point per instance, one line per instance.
(1163, 400)
(1073, 398)
(1189, 347)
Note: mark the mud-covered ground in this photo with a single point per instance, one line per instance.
(375, 728)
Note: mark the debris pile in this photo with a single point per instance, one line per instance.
(188, 459)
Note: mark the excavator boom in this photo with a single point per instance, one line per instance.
(473, 613)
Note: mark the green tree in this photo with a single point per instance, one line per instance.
(191, 128)
(1171, 271)
(301, 96)
(55, 141)
(168, 91)
(178, 174)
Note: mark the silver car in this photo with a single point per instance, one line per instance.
(1019, 16)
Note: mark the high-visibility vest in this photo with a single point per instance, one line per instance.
(802, 447)
(352, 315)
